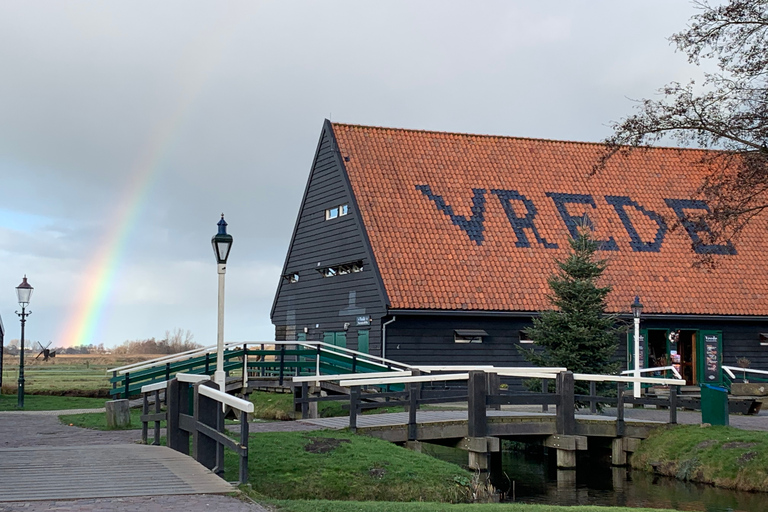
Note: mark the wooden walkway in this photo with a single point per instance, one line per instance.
(101, 471)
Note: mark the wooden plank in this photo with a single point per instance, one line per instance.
(100, 471)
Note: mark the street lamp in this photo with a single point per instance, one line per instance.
(23, 293)
(222, 243)
(637, 308)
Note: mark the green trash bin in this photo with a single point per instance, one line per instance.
(714, 404)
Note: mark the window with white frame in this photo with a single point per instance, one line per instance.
(469, 335)
(337, 211)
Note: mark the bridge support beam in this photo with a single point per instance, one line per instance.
(620, 447)
(480, 450)
(566, 447)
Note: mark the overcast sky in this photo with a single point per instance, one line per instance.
(126, 128)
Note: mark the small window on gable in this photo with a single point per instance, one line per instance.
(524, 338)
(292, 278)
(336, 211)
(469, 335)
(343, 269)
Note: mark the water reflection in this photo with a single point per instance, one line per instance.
(530, 476)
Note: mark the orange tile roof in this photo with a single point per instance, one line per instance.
(437, 253)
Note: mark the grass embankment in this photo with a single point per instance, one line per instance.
(8, 402)
(279, 406)
(329, 465)
(357, 506)
(724, 456)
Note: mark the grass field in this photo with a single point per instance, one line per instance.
(8, 402)
(84, 374)
(384, 506)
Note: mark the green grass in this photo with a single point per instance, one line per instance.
(49, 403)
(357, 506)
(724, 456)
(354, 468)
(279, 406)
(98, 420)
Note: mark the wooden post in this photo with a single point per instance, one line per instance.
(127, 382)
(354, 363)
(476, 426)
(592, 399)
(118, 413)
(354, 398)
(545, 389)
(620, 409)
(144, 424)
(282, 364)
(413, 405)
(156, 440)
(206, 412)
(493, 384)
(178, 404)
(566, 408)
(219, 468)
(673, 404)
(244, 443)
(304, 397)
(207, 363)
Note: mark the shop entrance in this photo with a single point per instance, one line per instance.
(687, 349)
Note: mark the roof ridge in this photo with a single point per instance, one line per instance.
(514, 137)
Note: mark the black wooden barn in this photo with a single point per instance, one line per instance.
(435, 248)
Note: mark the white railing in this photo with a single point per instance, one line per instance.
(730, 369)
(656, 369)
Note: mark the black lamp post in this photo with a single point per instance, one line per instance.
(23, 293)
(222, 244)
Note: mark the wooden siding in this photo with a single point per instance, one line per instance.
(329, 302)
(429, 340)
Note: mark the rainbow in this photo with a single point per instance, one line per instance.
(83, 323)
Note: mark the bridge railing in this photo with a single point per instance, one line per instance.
(483, 391)
(202, 420)
(272, 359)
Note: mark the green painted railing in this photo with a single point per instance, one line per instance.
(286, 359)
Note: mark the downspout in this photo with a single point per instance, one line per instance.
(384, 337)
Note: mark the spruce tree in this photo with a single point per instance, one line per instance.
(578, 334)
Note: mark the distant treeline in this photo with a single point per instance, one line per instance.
(174, 342)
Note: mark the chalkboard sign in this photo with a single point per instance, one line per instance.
(711, 359)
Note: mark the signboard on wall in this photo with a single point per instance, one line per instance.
(711, 359)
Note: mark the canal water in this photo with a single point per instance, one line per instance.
(531, 476)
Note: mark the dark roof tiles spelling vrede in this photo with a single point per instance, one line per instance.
(430, 261)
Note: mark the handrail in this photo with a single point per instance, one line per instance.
(192, 377)
(730, 369)
(404, 380)
(157, 386)
(342, 376)
(656, 369)
(224, 398)
(617, 378)
(379, 361)
(171, 358)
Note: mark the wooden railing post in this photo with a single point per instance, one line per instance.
(282, 364)
(673, 404)
(592, 399)
(206, 412)
(127, 382)
(493, 386)
(144, 411)
(178, 404)
(620, 409)
(354, 401)
(545, 389)
(304, 403)
(244, 442)
(156, 440)
(477, 424)
(566, 408)
(414, 393)
(207, 363)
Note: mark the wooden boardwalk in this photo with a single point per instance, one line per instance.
(102, 471)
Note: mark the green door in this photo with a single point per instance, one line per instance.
(337, 339)
(302, 336)
(362, 341)
(709, 357)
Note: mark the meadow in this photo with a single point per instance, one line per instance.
(70, 375)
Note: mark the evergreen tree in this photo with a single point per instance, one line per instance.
(578, 335)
